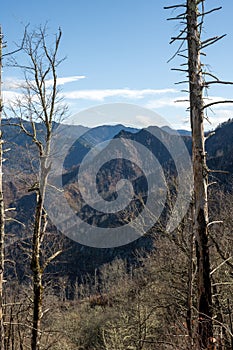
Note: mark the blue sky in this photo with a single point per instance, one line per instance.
(117, 51)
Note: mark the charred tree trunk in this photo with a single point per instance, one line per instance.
(2, 213)
(196, 84)
(189, 313)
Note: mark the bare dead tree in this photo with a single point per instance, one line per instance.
(2, 206)
(40, 102)
(200, 171)
(191, 48)
(2, 212)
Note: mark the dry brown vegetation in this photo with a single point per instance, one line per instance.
(133, 307)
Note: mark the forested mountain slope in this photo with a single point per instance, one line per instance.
(20, 175)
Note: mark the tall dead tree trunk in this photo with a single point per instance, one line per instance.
(192, 18)
(196, 85)
(2, 212)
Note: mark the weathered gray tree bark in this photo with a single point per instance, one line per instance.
(2, 213)
(192, 17)
(40, 224)
(200, 222)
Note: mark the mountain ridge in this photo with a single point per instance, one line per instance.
(81, 259)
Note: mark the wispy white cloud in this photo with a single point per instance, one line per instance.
(163, 100)
(177, 102)
(9, 96)
(182, 101)
(175, 108)
(12, 83)
(15, 83)
(102, 94)
(226, 113)
(66, 80)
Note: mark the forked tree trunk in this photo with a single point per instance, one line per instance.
(2, 212)
(205, 329)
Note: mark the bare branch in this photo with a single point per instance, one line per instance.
(184, 56)
(179, 37)
(17, 221)
(210, 11)
(180, 70)
(177, 52)
(179, 17)
(211, 75)
(216, 103)
(220, 252)
(218, 82)
(212, 183)
(10, 209)
(174, 6)
(215, 222)
(218, 171)
(21, 46)
(176, 101)
(211, 41)
(182, 82)
(220, 265)
(51, 258)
